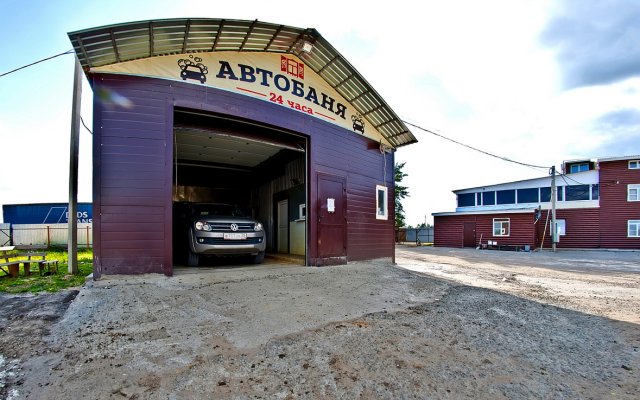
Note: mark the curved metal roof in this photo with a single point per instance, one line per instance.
(118, 43)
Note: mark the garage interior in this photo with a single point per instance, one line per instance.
(260, 169)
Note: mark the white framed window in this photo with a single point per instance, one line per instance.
(501, 226)
(382, 202)
(633, 228)
(633, 192)
(635, 164)
(302, 211)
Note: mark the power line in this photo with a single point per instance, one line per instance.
(46, 59)
(475, 148)
(568, 177)
(36, 62)
(85, 125)
(408, 123)
(563, 176)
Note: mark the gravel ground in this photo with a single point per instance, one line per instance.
(366, 330)
(604, 283)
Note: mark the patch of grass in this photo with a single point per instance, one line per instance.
(51, 283)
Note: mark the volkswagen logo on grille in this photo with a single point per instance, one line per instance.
(234, 227)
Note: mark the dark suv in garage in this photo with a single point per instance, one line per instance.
(223, 230)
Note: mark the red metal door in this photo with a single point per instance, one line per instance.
(332, 230)
(469, 234)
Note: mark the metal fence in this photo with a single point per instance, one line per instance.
(44, 234)
(5, 235)
(414, 235)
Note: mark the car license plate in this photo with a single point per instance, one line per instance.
(235, 236)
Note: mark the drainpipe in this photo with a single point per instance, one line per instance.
(553, 208)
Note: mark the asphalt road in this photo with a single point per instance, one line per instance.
(584, 261)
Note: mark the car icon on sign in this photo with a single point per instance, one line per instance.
(193, 72)
(358, 126)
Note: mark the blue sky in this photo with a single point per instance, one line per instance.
(536, 81)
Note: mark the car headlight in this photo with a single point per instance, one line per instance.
(257, 227)
(203, 226)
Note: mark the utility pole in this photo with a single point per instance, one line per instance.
(72, 221)
(553, 208)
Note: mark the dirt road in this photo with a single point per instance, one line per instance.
(366, 330)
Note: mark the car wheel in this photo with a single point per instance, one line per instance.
(194, 259)
(258, 258)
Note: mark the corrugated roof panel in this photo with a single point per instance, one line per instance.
(127, 52)
(102, 42)
(353, 85)
(392, 129)
(254, 47)
(260, 37)
(98, 40)
(370, 107)
(202, 32)
(122, 42)
(99, 51)
(105, 59)
(231, 27)
(160, 37)
(393, 125)
(159, 30)
(199, 44)
(129, 33)
(340, 74)
(321, 55)
(229, 40)
(257, 40)
(374, 118)
(282, 42)
(312, 63)
(363, 103)
(263, 30)
(338, 63)
(381, 116)
(347, 91)
(331, 77)
(131, 41)
(374, 101)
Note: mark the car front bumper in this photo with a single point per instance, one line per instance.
(214, 243)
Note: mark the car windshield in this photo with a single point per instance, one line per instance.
(219, 210)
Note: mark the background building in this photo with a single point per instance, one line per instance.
(598, 206)
(45, 213)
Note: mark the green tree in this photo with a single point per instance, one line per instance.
(400, 193)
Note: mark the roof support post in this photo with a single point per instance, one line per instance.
(72, 221)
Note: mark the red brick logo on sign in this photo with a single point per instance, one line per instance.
(292, 67)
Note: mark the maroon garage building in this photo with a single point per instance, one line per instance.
(269, 117)
(598, 206)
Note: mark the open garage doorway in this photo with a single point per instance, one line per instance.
(239, 192)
